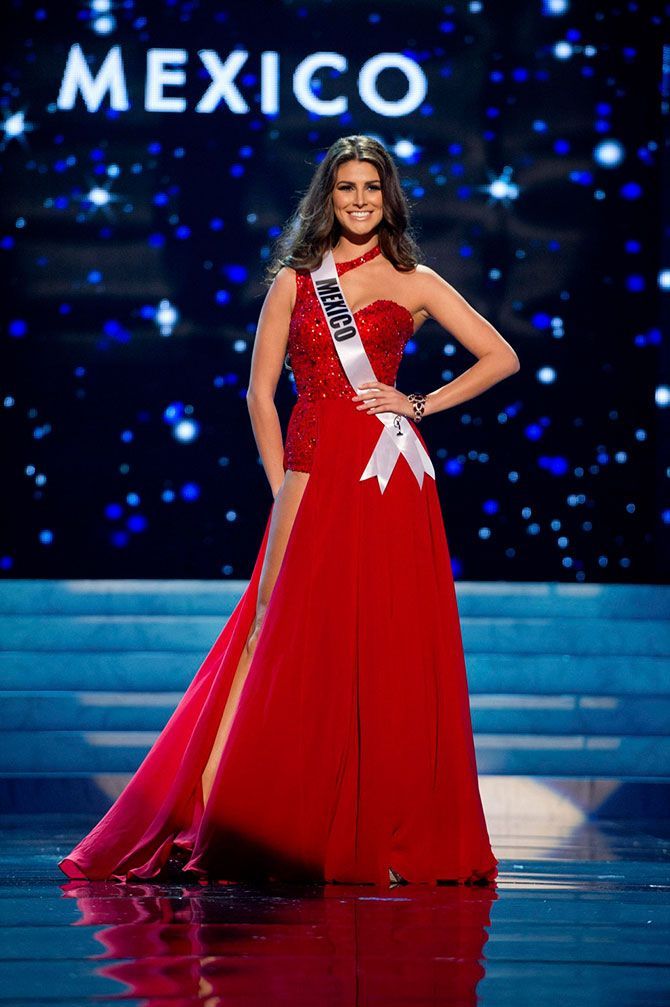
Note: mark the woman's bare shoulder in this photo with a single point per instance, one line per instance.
(426, 281)
(284, 285)
(417, 283)
(423, 273)
(419, 274)
(285, 275)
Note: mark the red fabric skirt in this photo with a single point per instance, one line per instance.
(351, 750)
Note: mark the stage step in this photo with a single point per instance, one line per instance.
(493, 672)
(43, 710)
(218, 598)
(573, 754)
(501, 634)
(565, 680)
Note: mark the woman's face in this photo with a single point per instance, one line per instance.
(357, 197)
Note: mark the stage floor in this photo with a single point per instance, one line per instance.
(578, 916)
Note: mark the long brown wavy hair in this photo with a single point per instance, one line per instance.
(313, 228)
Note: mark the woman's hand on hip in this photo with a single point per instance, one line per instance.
(381, 398)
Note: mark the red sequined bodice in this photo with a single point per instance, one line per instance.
(385, 327)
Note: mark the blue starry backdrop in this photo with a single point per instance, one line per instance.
(150, 154)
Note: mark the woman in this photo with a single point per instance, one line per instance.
(327, 734)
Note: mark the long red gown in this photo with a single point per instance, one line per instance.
(351, 750)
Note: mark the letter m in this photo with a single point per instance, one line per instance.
(110, 77)
(327, 287)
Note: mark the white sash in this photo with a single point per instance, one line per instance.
(398, 436)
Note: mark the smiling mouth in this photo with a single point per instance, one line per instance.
(360, 213)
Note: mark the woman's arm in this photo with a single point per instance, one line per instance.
(496, 358)
(267, 360)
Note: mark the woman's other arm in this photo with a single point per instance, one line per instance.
(267, 360)
(496, 358)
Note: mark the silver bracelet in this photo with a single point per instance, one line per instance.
(418, 401)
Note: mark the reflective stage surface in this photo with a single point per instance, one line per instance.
(578, 916)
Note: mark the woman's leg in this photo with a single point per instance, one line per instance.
(285, 508)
